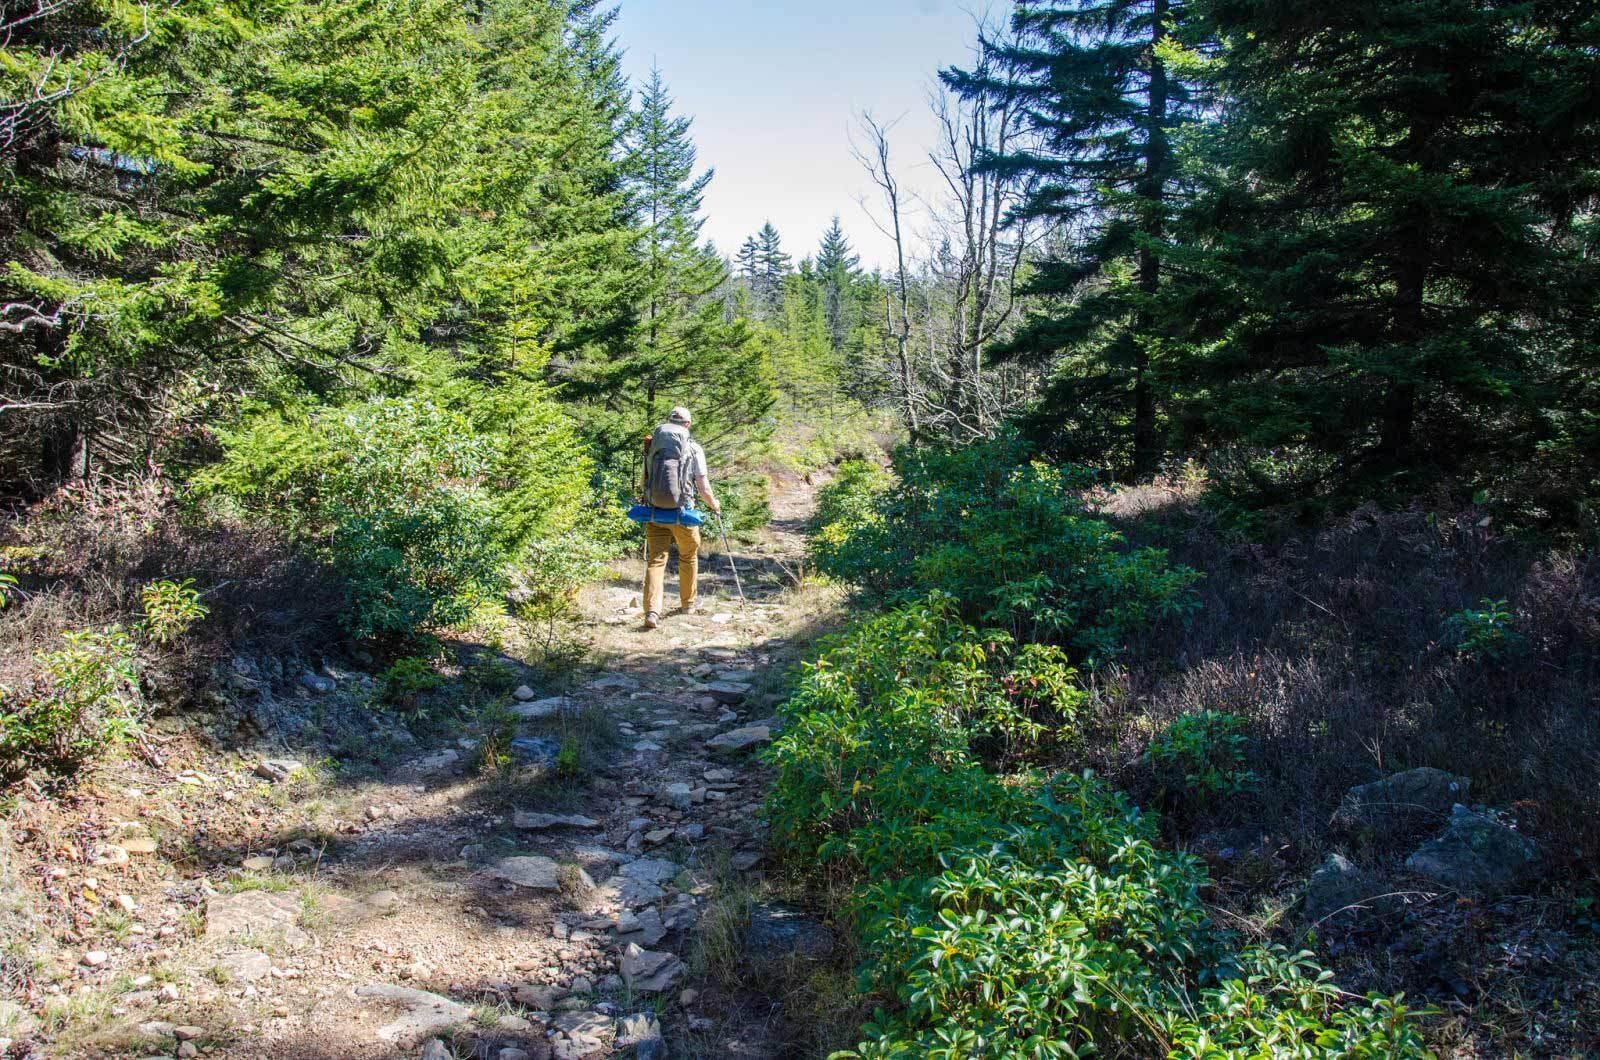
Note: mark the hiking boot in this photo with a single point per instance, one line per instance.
(691, 608)
(652, 620)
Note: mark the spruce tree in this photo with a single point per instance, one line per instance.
(684, 349)
(772, 265)
(838, 270)
(1390, 276)
(1102, 105)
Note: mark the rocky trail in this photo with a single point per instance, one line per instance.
(257, 905)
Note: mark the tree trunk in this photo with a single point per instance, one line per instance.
(1152, 190)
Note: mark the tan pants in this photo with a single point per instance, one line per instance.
(657, 540)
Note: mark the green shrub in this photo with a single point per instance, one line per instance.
(745, 507)
(406, 679)
(425, 510)
(849, 498)
(1010, 540)
(1484, 633)
(170, 608)
(1015, 915)
(84, 701)
(1201, 756)
(492, 675)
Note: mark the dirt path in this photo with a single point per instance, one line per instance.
(557, 909)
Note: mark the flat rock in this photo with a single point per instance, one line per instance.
(277, 770)
(1405, 801)
(440, 762)
(650, 870)
(317, 683)
(260, 914)
(1477, 855)
(540, 708)
(620, 892)
(534, 872)
(424, 1013)
(736, 740)
(729, 692)
(541, 822)
(644, 929)
(536, 750)
(650, 971)
(245, 966)
(610, 682)
(776, 933)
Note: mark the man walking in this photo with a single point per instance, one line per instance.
(674, 476)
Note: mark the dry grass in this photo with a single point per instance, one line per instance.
(84, 556)
(1336, 646)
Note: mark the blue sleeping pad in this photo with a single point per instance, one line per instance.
(644, 513)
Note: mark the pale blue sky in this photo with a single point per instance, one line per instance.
(774, 88)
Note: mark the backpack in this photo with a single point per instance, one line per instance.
(667, 482)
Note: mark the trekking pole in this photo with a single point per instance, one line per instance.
(723, 528)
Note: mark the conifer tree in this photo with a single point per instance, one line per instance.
(772, 265)
(1390, 276)
(837, 270)
(1102, 105)
(684, 350)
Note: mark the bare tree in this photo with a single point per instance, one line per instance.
(874, 157)
(944, 313)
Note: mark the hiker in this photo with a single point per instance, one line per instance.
(674, 475)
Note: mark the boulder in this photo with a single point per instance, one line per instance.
(245, 966)
(536, 750)
(1341, 893)
(317, 683)
(1405, 801)
(1477, 855)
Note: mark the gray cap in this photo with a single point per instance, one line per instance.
(680, 415)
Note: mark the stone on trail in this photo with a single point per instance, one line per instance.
(650, 971)
(246, 966)
(678, 795)
(581, 1034)
(643, 1032)
(524, 693)
(1476, 855)
(425, 1012)
(644, 929)
(736, 740)
(540, 709)
(1403, 801)
(269, 914)
(540, 822)
(317, 683)
(436, 1050)
(729, 692)
(441, 762)
(620, 892)
(535, 873)
(277, 770)
(650, 870)
(610, 682)
(536, 750)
